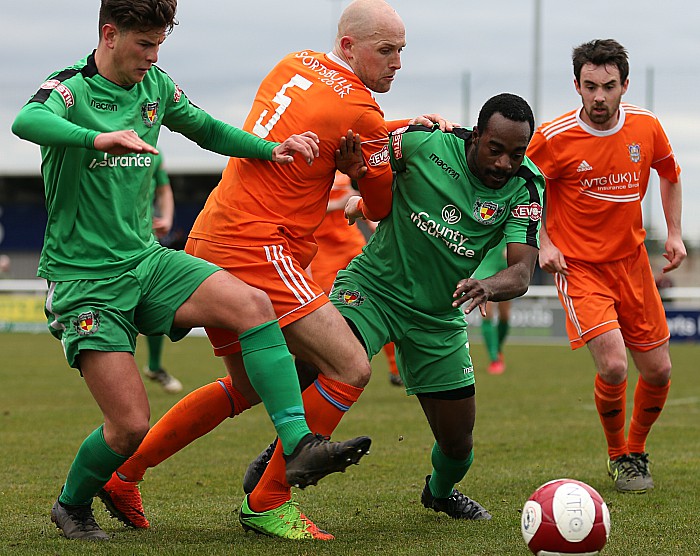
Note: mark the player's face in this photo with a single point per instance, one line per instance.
(377, 59)
(133, 54)
(601, 92)
(498, 151)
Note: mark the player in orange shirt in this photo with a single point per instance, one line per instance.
(597, 161)
(258, 224)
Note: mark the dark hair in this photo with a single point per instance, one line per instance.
(510, 106)
(139, 15)
(601, 52)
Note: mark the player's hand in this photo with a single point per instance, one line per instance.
(306, 144)
(474, 293)
(675, 253)
(122, 142)
(161, 226)
(353, 211)
(348, 156)
(552, 260)
(428, 120)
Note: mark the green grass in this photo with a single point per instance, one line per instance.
(535, 423)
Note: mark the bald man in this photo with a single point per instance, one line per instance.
(258, 224)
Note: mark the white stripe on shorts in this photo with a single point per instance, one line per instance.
(292, 278)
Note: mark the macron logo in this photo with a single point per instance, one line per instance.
(584, 167)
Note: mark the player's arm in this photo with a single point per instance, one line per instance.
(509, 283)
(214, 135)
(671, 201)
(550, 257)
(374, 202)
(38, 123)
(165, 208)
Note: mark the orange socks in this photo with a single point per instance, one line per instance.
(649, 400)
(390, 352)
(610, 401)
(325, 403)
(193, 416)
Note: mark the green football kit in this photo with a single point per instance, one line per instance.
(442, 223)
(99, 247)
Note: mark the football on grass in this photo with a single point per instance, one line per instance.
(565, 517)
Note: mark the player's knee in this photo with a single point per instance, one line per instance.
(128, 438)
(360, 372)
(458, 449)
(659, 376)
(259, 307)
(614, 370)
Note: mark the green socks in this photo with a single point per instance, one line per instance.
(271, 371)
(91, 469)
(155, 351)
(447, 472)
(490, 335)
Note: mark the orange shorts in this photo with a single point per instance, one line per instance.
(270, 268)
(599, 297)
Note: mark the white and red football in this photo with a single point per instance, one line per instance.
(565, 517)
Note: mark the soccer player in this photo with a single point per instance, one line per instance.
(596, 161)
(456, 195)
(163, 214)
(495, 333)
(97, 122)
(258, 224)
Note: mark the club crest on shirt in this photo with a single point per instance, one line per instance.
(487, 212)
(635, 151)
(87, 323)
(149, 113)
(351, 297)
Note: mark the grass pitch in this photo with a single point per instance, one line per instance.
(535, 423)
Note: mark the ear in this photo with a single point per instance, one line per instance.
(625, 85)
(346, 43)
(577, 86)
(108, 34)
(475, 135)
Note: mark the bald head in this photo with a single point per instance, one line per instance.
(370, 39)
(364, 18)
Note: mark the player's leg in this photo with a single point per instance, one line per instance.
(212, 298)
(437, 368)
(155, 371)
(114, 382)
(644, 327)
(324, 340)
(650, 395)
(94, 321)
(503, 329)
(610, 393)
(272, 497)
(451, 417)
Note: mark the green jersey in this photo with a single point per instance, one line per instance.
(99, 205)
(443, 220)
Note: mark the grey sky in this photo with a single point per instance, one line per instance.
(222, 49)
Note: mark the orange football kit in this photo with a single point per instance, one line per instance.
(596, 181)
(258, 223)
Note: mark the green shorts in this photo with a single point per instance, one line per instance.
(432, 352)
(108, 314)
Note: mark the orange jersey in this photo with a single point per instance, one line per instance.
(258, 200)
(596, 181)
(337, 242)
